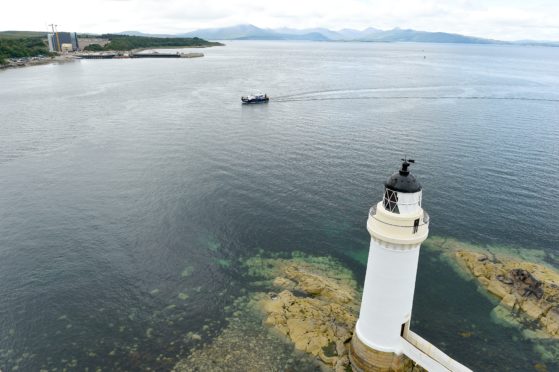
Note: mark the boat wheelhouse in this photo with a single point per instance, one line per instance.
(255, 98)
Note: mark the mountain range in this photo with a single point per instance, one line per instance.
(251, 32)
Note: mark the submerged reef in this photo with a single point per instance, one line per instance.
(523, 284)
(300, 311)
(523, 287)
(314, 302)
(244, 344)
(300, 316)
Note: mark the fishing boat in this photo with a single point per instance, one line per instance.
(255, 98)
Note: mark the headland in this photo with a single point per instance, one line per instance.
(20, 49)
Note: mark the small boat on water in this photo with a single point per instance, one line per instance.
(255, 98)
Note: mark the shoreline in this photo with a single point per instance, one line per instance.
(38, 62)
(65, 58)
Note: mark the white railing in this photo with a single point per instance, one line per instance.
(425, 219)
(428, 356)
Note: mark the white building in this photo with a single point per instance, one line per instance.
(397, 225)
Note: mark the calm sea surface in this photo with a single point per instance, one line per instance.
(126, 183)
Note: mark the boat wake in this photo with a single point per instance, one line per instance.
(300, 99)
(385, 93)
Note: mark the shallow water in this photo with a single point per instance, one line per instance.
(132, 188)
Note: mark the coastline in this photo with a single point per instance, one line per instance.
(65, 58)
(38, 62)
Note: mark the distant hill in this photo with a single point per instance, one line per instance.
(21, 34)
(371, 34)
(231, 33)
(250, 32)
(398, 34)
(138, 33)
(324, 33)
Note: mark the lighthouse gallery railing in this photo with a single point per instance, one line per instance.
(424, 221)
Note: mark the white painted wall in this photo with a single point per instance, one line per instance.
(387, 296)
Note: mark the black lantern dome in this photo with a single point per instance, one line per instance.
(403, 180)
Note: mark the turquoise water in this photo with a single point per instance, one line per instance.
(132, 189)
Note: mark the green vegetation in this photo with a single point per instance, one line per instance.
(21, 47)
(126, 42)
(94, 48)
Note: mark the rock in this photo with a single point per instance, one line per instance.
(484, 281)
(483, 258)
(551, 321)
(479, 270)
(498, 288)
(196, 337)
(283, 283)
(521, 285)
(329, 360)
(532, 309)
(509, 301)
(341, 350)
(321, 321)
(341, 364)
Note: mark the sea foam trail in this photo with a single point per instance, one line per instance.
(414, 97)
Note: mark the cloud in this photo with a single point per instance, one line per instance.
(500, 19)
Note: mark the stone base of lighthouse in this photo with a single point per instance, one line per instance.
(366, 359)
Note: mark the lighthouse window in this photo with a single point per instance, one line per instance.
(390, 201)
(415, 225)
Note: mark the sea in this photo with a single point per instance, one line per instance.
(132, 190)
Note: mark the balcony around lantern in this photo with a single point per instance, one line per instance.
(410, 228)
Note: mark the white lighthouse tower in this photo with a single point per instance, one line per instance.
(398, 225)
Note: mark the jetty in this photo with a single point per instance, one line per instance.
(166, 55)
(153, 54)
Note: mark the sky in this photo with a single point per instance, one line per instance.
(496, 19)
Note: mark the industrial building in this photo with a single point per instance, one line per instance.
(63, 41)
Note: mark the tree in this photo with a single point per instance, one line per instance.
(94, 48)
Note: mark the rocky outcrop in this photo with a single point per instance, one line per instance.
(308, 303)
(522, 286)
(315, 305)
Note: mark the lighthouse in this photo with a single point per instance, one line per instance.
(397, 225)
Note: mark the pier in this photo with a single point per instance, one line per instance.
(155, 55)
(427, 355)
(96, 56)
(138, 55)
